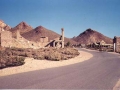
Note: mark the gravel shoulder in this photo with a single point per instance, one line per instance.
(33, 64)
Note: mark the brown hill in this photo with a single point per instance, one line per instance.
(40, 31)
(91, 36)
(22, 27)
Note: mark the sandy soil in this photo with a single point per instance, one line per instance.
(32, 64)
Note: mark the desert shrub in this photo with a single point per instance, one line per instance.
(23, 54)
(70, 51)
(61, 54)
(40, 57)
(55, 56)
(68, 44)
(28, 54)
(19, 61)
(15, 56)
(7, 60)
(64, 57)
(15, 61)
(2, 65)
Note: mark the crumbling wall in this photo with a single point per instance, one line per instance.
(6, 39)
(21, 42)
(44, 39)
(9, 39)
(2, 24)
(1, 29)
(116, 41)
(118, 44)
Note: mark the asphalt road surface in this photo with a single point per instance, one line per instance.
(100, 72)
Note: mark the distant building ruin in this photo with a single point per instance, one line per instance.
(116, 44)
(60, 41)
(101, 46)
(43, 39)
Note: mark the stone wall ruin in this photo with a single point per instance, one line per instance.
(14, 39)
(6, 39)
(116, 44)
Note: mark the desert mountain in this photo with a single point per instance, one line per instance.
(4, 26)
(91, 36)
(22, 27)
(40, 31)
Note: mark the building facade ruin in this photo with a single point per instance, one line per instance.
(14, 39)
(59, 43)
(43, 39)
(6, 39)
(116, 44)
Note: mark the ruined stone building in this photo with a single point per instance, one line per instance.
(6, 39)
(43, 39)
(59, 42)
(19, 41)
(9, 39)
(4, 26)
(116, 44)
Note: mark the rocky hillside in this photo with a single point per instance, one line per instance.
(4, 26)
(40, 31)
(22, 27)
(91, 36)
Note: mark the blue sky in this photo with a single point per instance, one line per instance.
(74, 15)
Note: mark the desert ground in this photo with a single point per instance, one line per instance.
(32, 64)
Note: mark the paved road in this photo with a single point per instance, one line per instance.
(100, 72)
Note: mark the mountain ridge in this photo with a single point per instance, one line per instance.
(22, 27)
(91, 36)
(40, 31)
(34, 34)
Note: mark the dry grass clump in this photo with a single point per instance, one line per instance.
(10, 58)
(70, 51)
(53, 55)
(61, 54)
(16, 56)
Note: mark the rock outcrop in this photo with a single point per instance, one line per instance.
(4, 26)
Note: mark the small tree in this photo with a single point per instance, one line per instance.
(68, 44)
